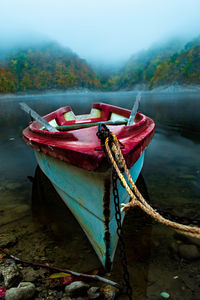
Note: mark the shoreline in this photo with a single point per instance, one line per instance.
(138, 88)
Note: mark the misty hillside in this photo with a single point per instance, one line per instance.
(172, 62)
(49, 66)
(182, 67)
(141, 67)
(44, 67)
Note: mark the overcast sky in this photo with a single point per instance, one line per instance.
(102, 30)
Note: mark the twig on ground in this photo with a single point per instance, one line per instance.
(76, 274)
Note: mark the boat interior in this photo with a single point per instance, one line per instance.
(99, 112)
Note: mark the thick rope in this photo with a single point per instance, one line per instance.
(136, 197)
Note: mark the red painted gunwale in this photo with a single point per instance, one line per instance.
(81, 147)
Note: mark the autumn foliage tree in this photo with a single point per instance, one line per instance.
(45, 67)
(170, 64)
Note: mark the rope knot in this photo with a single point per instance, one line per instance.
(103, 133)
(107, 137)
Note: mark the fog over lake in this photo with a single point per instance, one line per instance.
(103, 31)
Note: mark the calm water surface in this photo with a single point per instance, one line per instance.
(172, 178)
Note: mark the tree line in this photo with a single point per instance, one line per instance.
(46, 67)
(169, 64)
(50, 66)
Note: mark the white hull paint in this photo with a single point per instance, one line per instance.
(84, 193)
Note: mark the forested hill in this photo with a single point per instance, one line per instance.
(45, 67)
(49, 66)
(181, 68)
(172, 63)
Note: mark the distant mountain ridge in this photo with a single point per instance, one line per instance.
(171, 63)
(49, 66)
(43, 67)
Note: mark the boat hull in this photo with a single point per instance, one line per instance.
(89, 196)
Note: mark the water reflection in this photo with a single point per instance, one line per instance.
(172, 167)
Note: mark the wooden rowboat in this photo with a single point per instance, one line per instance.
(71, 156)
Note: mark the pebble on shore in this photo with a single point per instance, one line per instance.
(24, 291)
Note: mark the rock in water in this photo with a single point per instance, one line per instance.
(24, 291)
(164, 295)
(77, 288)
(94, 292)
(189, 252)
(109, 291)
(7, 240)
(11, 275)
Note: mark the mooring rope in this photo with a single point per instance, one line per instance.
(118, 162)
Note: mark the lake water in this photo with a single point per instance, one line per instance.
(171, 173)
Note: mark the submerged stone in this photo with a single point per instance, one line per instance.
(77, 288)
(94, 292)
(165, 295)
(190, 252)
(11, 275)
(7, 240)
(24, 291)
(109, 291)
